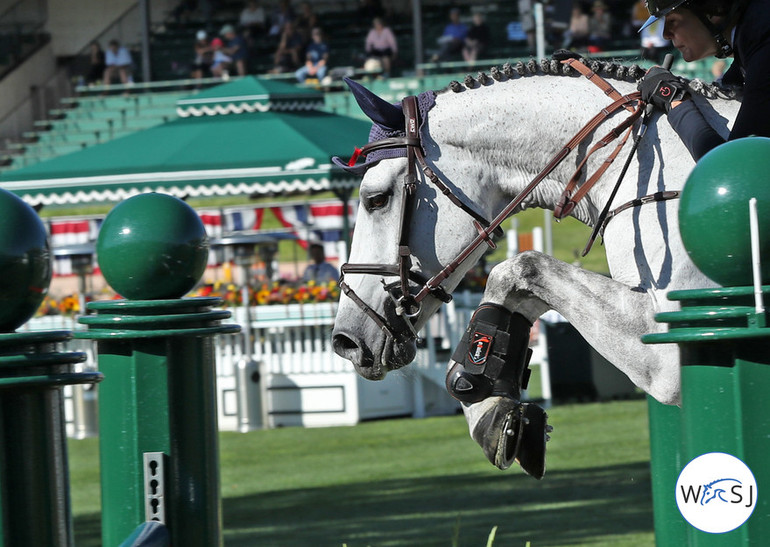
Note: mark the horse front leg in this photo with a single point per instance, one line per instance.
(610, 315)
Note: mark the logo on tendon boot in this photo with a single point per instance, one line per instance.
(479, 348)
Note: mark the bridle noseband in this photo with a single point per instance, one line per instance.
(407, 306)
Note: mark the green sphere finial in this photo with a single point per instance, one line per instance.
(714, 211)
(152, 246)
(25, 262)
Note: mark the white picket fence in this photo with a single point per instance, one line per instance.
(289, 375)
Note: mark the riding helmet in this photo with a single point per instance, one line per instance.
(658, 9)
(730, 9)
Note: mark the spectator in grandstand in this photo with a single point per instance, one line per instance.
(452, 39)
(381, 45)
(722, 28)
(204, 56)
(253, 19)
(288, 54)
(653, 45)
(369, 9)
(184, 10)
(117, 59)
(236, 48)
(319, 270)
(306, 21)
(96, 64)
(477, 40)
(282, 14)
(576, 36)
(599, 27)
(220, 66)
(316, 58)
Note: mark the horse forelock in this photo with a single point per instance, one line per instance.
(607, 69)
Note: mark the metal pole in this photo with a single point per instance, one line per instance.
(144, 11)
(34, 479)
(539, 30)
(344, 195)
(417, 26)
(548, 228)
(158, 406)
(159, 397)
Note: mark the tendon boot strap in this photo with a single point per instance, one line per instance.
(492, 357)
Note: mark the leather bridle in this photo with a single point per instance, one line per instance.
(407, 304)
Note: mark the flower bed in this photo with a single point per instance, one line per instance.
(273, 294)
(278, 293)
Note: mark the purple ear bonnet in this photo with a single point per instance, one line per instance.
(388, 122)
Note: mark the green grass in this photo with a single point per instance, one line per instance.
(421, 483)
(569, 239)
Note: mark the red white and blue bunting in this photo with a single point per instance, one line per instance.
(321, 222)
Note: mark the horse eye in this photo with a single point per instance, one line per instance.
(377, 201)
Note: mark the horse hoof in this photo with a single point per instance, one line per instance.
(513, 431)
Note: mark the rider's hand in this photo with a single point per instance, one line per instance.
(661, 88)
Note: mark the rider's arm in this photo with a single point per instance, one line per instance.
(754, 115)
(696, 133)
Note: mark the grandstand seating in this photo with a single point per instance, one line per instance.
(97, 115)
(93, 120)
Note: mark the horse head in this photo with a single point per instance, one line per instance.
(373, 329)
(711, 492)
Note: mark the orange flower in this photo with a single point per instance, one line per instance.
(263, 297)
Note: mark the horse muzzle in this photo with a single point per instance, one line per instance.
(373, 363)
(378, 342)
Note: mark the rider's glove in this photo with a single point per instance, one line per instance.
(661, 88)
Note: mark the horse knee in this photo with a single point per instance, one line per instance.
(518, 271)
(510, 284)
(529, 264)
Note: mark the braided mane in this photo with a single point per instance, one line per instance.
(608, 69)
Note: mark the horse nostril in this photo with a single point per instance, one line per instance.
(347, 347)
(342, 342)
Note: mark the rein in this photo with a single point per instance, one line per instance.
(407, 306)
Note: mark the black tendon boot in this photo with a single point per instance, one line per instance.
(492, 361)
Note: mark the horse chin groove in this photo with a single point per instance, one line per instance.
(398, 354)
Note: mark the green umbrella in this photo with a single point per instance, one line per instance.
(244, 154)
(250, 94)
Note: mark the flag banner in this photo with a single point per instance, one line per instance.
(74, 232)
(212, 222)
(243, 219)
(319, 222)
(219, 222)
